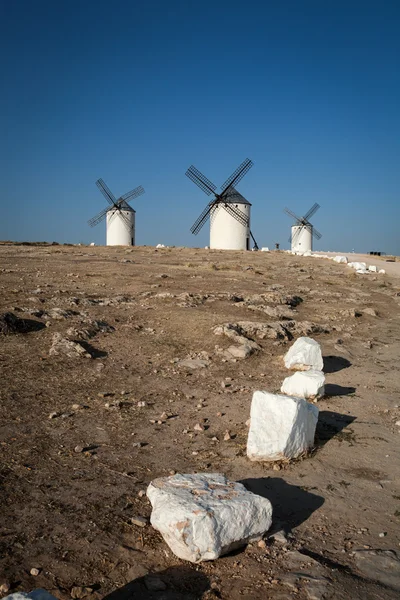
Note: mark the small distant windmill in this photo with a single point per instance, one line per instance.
(229, 211)
(120, 216)
(303, 231)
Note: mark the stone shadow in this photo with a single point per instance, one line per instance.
(292, 505)
(333, 364)
(92, 350)
(181, 582)
(332, 389)
(332, 424)
(11, 324)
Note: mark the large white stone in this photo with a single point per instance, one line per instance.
(305, 384)
(37, 594)
(281, 427)
(357, 265)
(202, 516)
(305, 354)
(373, 268)
(340, 259)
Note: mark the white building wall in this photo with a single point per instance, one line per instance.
(226, 233)
(118, 233)
(301, 241)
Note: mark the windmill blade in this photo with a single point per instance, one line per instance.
(291, 214)
(237, 214)
(95, 220)
(132, 194)
(108, 195)
(311, 212)
(237, 175)
(316, 233)
(201, 180)
(198, 224)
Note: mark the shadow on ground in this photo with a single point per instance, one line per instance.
(292, 505)
(332, 389)
(10, 324)
(333, 364)
(94, 352)
(332, 424)
(175, 583)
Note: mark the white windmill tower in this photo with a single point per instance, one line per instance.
(229, 212)
(120, 217)
(303, 231)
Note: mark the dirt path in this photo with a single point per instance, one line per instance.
(391, 268)
(70, 484)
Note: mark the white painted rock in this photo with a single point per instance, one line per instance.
(265, 249)
(305, 354)
(381, 271)
(340, 259)
(357, 265)
(305, 384)
(373, 268)
(203, 516)
(281, 427)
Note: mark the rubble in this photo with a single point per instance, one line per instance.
(203, 516)
(305, 354)
(281, 427)
(63, 346)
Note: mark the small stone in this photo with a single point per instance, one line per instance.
(141, 493)
(198, 427)
(141, 404)
(227, 436)
(137, 445)
(34, 571)
(383, 534)
(279, 537)
(398, 423)
(54, 415)
(78, 449)
(139, 521)
(261, 544)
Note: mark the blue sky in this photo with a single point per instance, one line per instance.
(135, 92)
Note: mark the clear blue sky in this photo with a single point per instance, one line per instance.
(135, 92)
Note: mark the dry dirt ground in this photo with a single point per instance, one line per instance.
(71, 484)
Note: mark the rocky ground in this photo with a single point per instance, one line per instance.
(122, 365)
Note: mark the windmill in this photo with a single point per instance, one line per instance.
(120, 216)
(303, 231)
(229, 211)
